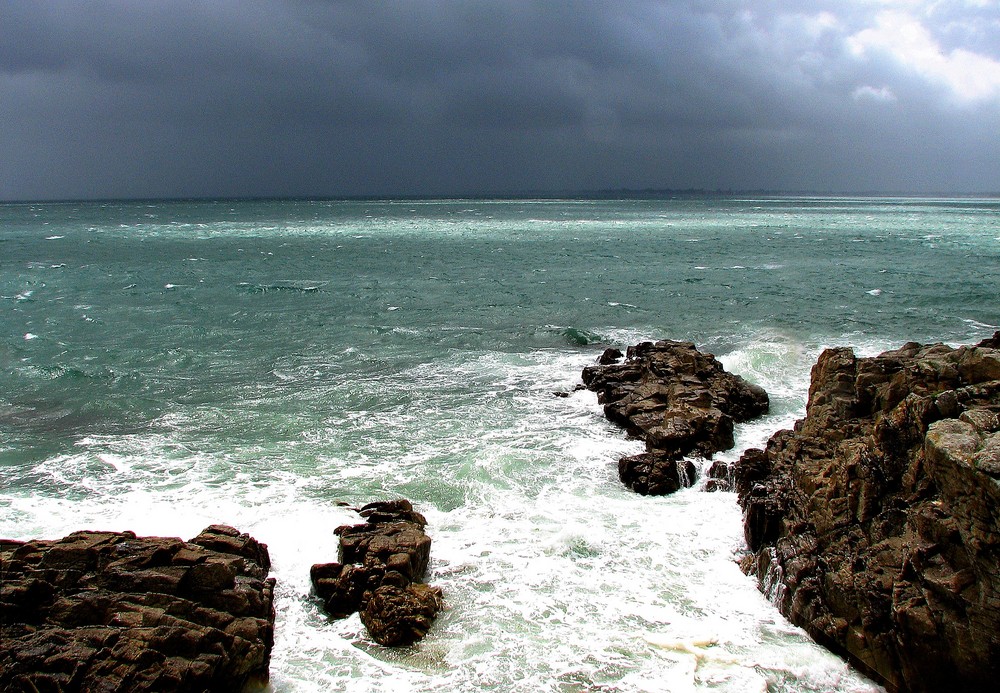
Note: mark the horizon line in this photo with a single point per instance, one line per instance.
(585, 194)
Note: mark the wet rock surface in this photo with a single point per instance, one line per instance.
(110, 611)
(679, 400)
(379, 573)
(720, 477)
(875, 523)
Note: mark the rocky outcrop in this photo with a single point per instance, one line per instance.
(379, 573)
(679, 400)
(875, 523)
(109, 611)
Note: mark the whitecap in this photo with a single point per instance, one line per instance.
(28, 336)
(53, 238)
(980, 325)
(118, 463)
(874, 292)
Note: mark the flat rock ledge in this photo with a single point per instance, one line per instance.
(379, 573)
(875, 523)
(677, 399)
(110, 611)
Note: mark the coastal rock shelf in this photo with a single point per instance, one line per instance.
(379, 573)
(679, 400)
(875, 523)
(107, 611)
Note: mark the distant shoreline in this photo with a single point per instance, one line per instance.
(568, 195)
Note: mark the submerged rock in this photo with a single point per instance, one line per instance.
(379, 572)
(110, 611)
(679, 400)
(875, 523)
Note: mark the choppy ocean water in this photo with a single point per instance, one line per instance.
(168, 365)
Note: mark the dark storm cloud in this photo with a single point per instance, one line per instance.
(226, 98)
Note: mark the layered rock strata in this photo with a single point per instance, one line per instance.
(679, 400)
(380, 572)
(110, 611)
(875, 523)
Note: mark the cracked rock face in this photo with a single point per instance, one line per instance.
(875, 523)
(108, 611)
(677, 399)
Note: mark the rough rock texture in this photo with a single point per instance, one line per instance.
(379, 571)
(676, 398)
(875, 524)
(109, 611)
(720, 477)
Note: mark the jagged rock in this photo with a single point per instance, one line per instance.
(109, 611)
(654, 474)
(388, 511)
(401, 615)
(610, 356)
(679, 400)
(379, 571)
(720, 477)
(875, 523)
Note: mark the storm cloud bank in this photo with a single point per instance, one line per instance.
(118, 99)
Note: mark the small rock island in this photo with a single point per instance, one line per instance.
(677, 399)
(379, 573)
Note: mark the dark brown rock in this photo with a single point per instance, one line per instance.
(389, 511)
(875, 523)
(401, 614)
(679, 400)
(654, 474)
(109, 611)
(610, 356)
(720, 477)
(991, 342)
(379, 572)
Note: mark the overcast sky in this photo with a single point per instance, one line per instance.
(282, 97)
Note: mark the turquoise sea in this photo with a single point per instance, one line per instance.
(168, 365)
